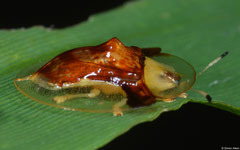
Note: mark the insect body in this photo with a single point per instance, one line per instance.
(110, 69)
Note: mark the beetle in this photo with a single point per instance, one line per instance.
(112, 68)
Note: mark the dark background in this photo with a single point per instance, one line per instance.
(194, 126)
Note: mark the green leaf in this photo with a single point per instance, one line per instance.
(198, 31)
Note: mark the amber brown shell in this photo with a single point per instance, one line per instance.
(110, 62)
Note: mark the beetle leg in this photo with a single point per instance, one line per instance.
(153, 51)
(24, 78)
(60, 99)
(117, 107)
(183, 95)
(168, 99)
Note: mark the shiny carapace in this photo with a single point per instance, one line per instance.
(140, 76)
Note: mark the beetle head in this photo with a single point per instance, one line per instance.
(160, 78)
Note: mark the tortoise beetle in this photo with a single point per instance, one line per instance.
(108, 69)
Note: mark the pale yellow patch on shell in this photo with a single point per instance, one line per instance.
(153, 71)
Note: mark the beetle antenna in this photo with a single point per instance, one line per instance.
(208, 97)
(214, 62)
